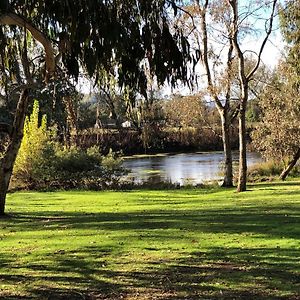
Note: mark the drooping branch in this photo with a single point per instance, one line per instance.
(14, 19)
(25, 61)
(5, 128)
(185, 12)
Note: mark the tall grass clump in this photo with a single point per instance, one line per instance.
(269, 169)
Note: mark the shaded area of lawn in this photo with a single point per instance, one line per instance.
(199, 276)
(196, 244)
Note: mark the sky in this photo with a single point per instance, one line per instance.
(273, 50)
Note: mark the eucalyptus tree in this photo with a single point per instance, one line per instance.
(289, 77)
(245, 76)
(277, 135)
(210, 31)
(124, 36)
(222, 30)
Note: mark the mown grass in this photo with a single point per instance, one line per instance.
(179, 244)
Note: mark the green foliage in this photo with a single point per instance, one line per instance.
(4, 4)
(42, 163)
(108, 35)
(111, 161)
(290, 27)
(253, 112)
(74, 160)
(87, 169)
(33, 162)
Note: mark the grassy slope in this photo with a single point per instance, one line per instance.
(183, 244)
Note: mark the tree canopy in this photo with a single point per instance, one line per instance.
(126, 37)
(129, 39)
(290, 28)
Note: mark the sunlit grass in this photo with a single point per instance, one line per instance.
(180, 244)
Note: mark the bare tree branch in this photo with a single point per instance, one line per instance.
(186, 12)
(268, 32)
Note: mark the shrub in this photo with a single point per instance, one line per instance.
(33, 163)
(42, 163)
(77, 168)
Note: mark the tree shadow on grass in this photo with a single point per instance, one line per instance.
(217, 274)
(233, 274)
(63, 275)
(278, 221)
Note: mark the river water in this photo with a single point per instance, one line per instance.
(183, 168)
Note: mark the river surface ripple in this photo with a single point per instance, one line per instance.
(183, 168)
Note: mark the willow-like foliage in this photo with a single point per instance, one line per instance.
(123, 37)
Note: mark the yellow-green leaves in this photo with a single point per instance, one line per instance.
(35, 139)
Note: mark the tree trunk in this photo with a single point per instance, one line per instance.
(226, 137)
(290, 166)
(72, 120)
(242, 179)
(8, 160)
(4, 182)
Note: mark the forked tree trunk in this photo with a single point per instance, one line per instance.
(290, 166)
(223, 109)
(226, 137)
(242, 180)
(8, 160)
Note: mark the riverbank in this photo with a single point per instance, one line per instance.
(179, 244)
(160, 140)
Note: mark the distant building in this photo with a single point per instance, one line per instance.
(126, 124)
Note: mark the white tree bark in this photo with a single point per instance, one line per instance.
(14, 19)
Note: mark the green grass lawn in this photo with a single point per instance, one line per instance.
(180, 244)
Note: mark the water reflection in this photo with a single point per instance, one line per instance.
(193, 168)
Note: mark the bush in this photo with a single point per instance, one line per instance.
(33, 164)
(77, 168)
(74, 168)
(43, 164)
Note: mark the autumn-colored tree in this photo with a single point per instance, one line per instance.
(277, 135)
(187, 111)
